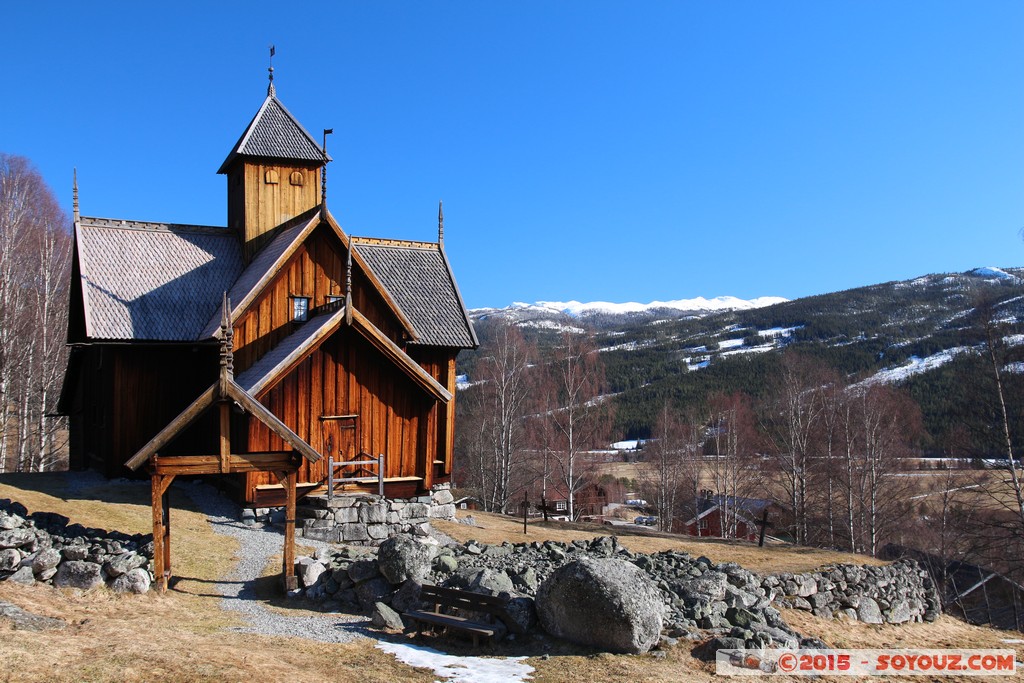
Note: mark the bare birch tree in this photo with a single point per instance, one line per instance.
(34, 264)
(790, 425)
(577, 413)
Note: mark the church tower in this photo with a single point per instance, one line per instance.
(273, 174)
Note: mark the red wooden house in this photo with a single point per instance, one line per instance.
(350, 342)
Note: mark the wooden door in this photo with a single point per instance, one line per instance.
(340, 437)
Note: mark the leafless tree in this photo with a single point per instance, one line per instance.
(577, 413)
(668, 466)
(790, 424)
(732, 470)
(494, 423)
(35, 246)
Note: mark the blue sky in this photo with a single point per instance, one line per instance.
(616, 151)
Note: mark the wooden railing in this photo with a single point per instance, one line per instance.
(332, 480)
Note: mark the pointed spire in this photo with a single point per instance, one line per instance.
(271, 90)
(440, 223)
(74, 195)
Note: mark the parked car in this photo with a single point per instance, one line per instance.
(645, 520)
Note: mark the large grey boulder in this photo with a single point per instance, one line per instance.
(123, 563)
(402, 557)
(868, 611)
(45, 560)
(382, 616)
(608, 604)
(17, 538)
(133, 581)
(309, 570)
(76, 574)
(708, 587)
(10, 559)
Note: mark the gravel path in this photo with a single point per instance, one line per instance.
(257, 545)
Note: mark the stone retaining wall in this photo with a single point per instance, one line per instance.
(894, 594)
(43, 547)
(735, 607)
(363, 519)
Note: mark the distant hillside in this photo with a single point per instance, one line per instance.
(922, 334)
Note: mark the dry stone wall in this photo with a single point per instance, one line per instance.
(43, 547)
(369, 519)
(732, 606)
(893, 594)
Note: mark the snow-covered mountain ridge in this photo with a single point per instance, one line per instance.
(923, 334)
(578, 309)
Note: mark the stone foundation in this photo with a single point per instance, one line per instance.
(365, 519)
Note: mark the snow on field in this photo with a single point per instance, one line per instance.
(779, 331)
(730, 344)
(916, 365)
(630, 445)
(460, 669)
(749, 349)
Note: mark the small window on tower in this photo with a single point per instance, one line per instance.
(296, 178)
(270, 177)
(300, 309)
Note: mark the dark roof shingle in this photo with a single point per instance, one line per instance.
(274, 133)
(153, 281)
(418, 278)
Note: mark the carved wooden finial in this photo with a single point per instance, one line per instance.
(440, 223)
(348, 284)
(227, 337)
(271, 90)
(323, 175)
(74, 194)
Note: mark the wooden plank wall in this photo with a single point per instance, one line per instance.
(256, 206)
(132, 392)
(347, 376)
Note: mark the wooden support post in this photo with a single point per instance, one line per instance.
(288, 577)
(225, 437)
(161, 529)
(526, 509)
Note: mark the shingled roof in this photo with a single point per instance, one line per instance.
(418, 278)
(153, 281)
(275, 134)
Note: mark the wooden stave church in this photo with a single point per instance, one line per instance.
(370, 371)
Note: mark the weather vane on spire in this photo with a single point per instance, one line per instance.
(270, 88)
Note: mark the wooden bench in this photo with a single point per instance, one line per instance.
(449, 606)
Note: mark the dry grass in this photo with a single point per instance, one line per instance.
(493, 528)
(177, 637)
(184, 635)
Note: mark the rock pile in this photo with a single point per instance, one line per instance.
(893, 594)
(695, 597)
(44, 547)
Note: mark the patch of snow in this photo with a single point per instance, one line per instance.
(1014, 368)
(730, 343)
(626, 346)
(993, 273)
(630, 445)
(1014, 340)
(749, 349)
(779, 331)
(552, 325)
(460, 669)
(916, 365)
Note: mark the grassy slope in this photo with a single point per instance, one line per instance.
(182, 636)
